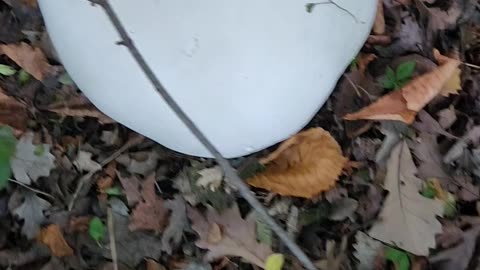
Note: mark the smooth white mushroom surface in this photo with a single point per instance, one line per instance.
(249, 73)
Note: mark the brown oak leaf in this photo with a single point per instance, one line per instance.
(31, 59)
(12, 113)
(233, 235)
(150, 213)
(52, 237)
(303, 166)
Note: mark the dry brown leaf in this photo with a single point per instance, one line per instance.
(214, 234)
(79, 105)
(31, 59)
(238, 235)
(132, 187)
(12, 113)
(78, 224)
(303, 166)
(52, 237)
(153, 265)
(379, 25)
(403, 104)
(150, 213)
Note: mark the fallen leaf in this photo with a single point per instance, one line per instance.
(31, 161)
(84, 162)
(29, 58)
(428, 124)
(31, 211)
(457, 257)
(52, 237)
(379, 24)
(77, 105)
(145, 166)
(275, 262)
(450, 236)
(238, 239)
(132, 187)
(78, 224)
(408, 220)
(153, 265)
(447, 117)
(399, 258)
(342, 209)
(431, 165)
(302, 166)
(12, 113)
(453, 85)
(150, 213)
(132, 247)
(210, 177)
(366, 250)
(178, 222)
(334, 260)
(403, 104)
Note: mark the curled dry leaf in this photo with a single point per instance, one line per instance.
(403, 104)
(29, 58)
(52, 237)
(303, 166)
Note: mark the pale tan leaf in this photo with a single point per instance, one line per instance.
(403, 104)
(52, 237)
(379, 25)
(31, 59)
(453, 85)
(238, 235)
(303, 166)
(408, 220)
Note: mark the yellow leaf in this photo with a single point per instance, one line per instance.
(453, 85)
(303, 166)
(274, 262)
(403, 104)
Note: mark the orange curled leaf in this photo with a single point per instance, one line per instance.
(404, 104)
(52, 237)
(303, 166)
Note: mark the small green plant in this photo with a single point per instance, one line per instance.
(398, 78)
(7, 70)
(23, 76)
(96, 229)
(8, 143)
(398, 258)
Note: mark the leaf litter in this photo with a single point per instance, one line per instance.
(407, 174)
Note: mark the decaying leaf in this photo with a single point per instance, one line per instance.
(178, 222)
(52, 237)
(132, 187)
(403, 104)
(447, 117)
(366, 250)
(334, 259)
(210, 177)
(457, 257)
(29, 58)
(84, 162)
(303, 166)
(31, 211)
(408, 220)
(453, 85)
(12, 113)
(142, 163)
(31, 161)
(237, 235)
(150, 213)
(343, 208)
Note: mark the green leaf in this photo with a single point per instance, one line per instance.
(114, 191)
(275, 262)
(96, 229)
(450, 207)
(39, 150)
(405, 70)
(264, 233)
(354, 64)
(65, 79)
(8, 143)
(429, 191)
(23, 76)
(388, 84)
(7, 70)
(390, 75)
(398, 257)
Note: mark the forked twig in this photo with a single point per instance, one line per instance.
(230, 174)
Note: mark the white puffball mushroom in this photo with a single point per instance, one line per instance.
(249, 73)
